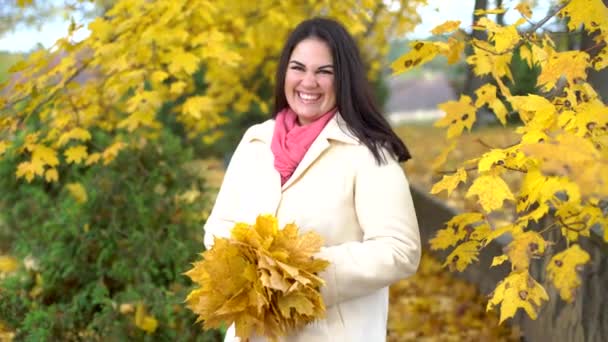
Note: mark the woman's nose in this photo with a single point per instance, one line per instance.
(309, 80)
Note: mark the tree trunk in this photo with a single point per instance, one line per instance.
(500, 18)
(473, 82)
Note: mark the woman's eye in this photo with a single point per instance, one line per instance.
(327, 72)
(295, 67)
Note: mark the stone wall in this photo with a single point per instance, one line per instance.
(586, 319)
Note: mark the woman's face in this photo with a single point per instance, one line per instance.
(309, 80)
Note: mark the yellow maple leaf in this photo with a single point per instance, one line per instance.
(77, 191)
(447, 237)
(184, 61)
(196, 106)
(504, 37)
(463, 255)
(8, 264)
(452, 50)
(76, 154)
(111, 152)
(486, 62)
(536, 111)
(420, 53)
(489, 159)
(486, 94)
(450, 182)
(499, 260)
(93, 158)
(513, 229)
(51, 175)
(563, 270)
(575, 157)
(570, 64)
(447, 27)
(30, 169)
(524, 9)
(526, 54)
(524, 246)
(456, 229)
(573, 221)
(3, 146)
(491, 190)
(591, 13)
(76, 133)
(144, 321)
(158, 76)
(459, 115)
(518, 290)
(46, 155)
(479, 12)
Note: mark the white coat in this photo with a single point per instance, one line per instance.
(363, 210)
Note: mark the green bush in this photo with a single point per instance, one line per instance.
(88, 265)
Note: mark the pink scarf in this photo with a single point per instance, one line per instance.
(290, 141)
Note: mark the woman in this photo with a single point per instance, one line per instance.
(328, 161)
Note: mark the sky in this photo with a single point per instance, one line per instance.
(435, 13)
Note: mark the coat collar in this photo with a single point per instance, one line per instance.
(335, 130)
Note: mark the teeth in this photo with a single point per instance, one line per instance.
(309, 97)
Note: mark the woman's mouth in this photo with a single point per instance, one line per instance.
(308, 97)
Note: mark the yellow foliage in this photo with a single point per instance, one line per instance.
(459, 115)
(76, 154)
(570, 64)
(463, 255)
(51, 175)
(563, 270)
(144, 321)
(486, 94)
(575, 157)
(498, 260)
(489, 11)
(591, 13)
(3, 147)
(420, 53)
(450, 182)
(557, 166)
(141, 55)
(8, 264)
(263, 279)
(518, 290)
(491, 190)
(504, 37)
(446, 27)
(442, 307)
(524, 9)
(78, 192)
(524, 246)
(485, 62)
(456, 229)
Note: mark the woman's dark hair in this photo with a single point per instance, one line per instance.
(354, 98)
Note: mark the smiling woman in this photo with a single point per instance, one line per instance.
(328, 161)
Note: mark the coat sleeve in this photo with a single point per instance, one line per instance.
(390, 249)
(219, 223)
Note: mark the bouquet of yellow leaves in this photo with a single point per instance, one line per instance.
(262, 279)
